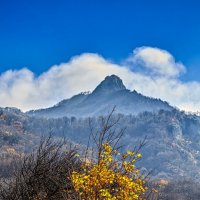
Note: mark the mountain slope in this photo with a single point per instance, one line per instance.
(109, 93)
(172, 148)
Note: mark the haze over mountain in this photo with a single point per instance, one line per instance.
(172, 149)
(109, 93)
(173, 136)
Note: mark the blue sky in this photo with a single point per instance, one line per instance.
(64, 47)
(39, 34)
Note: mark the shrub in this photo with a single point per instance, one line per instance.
(54, 173)
(109, 174)
(42, 174)
(110, 179)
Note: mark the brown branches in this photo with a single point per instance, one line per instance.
(43, 174)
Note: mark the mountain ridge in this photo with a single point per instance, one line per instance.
(109, 93)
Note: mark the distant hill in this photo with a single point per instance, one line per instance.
(109, 93)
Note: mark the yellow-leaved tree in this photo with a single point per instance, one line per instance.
(111, 174)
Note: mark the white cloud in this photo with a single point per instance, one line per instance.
(157, 61)
(82, 73)
(22, 89)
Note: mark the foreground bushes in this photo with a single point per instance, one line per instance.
(54, 172)
(42, 174)
(110, 178)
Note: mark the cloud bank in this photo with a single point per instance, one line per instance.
(157, 61)
(158, 77)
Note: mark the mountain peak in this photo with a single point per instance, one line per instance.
(110, 84)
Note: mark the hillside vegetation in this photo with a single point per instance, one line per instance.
(56, 171)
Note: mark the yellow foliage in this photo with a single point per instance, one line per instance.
(109, 178)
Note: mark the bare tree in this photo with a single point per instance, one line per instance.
(44, 174)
